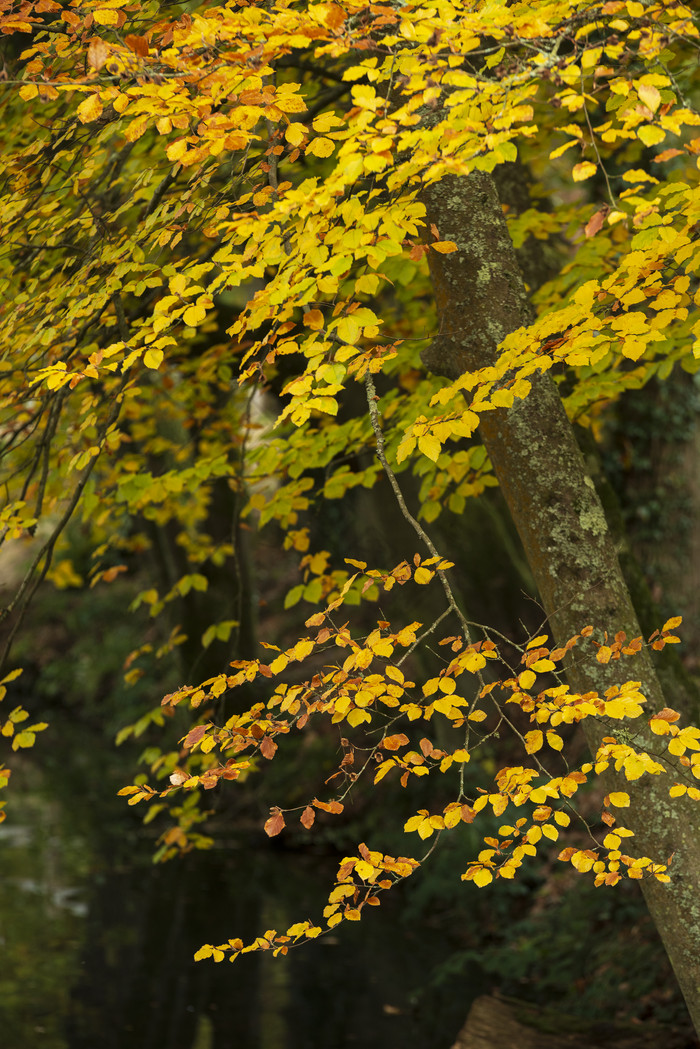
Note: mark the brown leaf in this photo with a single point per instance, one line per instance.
(97, 53)
(307, 817)
(195, 735)
(138, 44)
(667, 715)
(268, 748)
(328, 806)
(394, 742)
(275, 823)
(595, 223)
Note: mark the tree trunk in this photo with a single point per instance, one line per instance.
(494, 1023)
(481, 297)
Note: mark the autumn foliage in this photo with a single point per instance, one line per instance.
(201, 209)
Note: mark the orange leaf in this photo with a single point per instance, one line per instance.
(268, 747)
(307, 817)
(275, 823)
(394, 742)
(138, 44)
(328, 806)
(595, 223)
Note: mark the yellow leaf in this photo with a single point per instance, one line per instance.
(194, 315)
(482, 877)
(619, 799)
(365, 870)
(533, 741)
(153, 359)
(320, 147)
(583, 171)
(555, 741)
(28, 91)
(473, 661)
(295, 134)
(348, 330)
(453, 814)
(638, 175)
(430, 446)
(444, 247)
(178, 283)
(651, 135)
(290, 103)
(560, 150)
(583, 861)
(106, 16)
(423, 575)
(89, 109)
(649, 95)
(526, 679)
(356, 717)
(176, 149)
(136, 128)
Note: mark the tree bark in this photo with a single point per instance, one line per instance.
(481, 297)
(495, 1022)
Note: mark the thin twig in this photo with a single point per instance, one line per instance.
(420, 532)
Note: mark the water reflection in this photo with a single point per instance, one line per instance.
(97, 945)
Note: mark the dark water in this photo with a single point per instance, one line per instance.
(96, 944)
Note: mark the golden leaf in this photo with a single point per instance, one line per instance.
(153, 359)
(649, 95)
(482, 877)
(533, 741)
(430, 446)
(90, 109)
(176, 149)
(194, 315)
(106, 16)
(295, 134)
(584, 170)
(320, 147)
